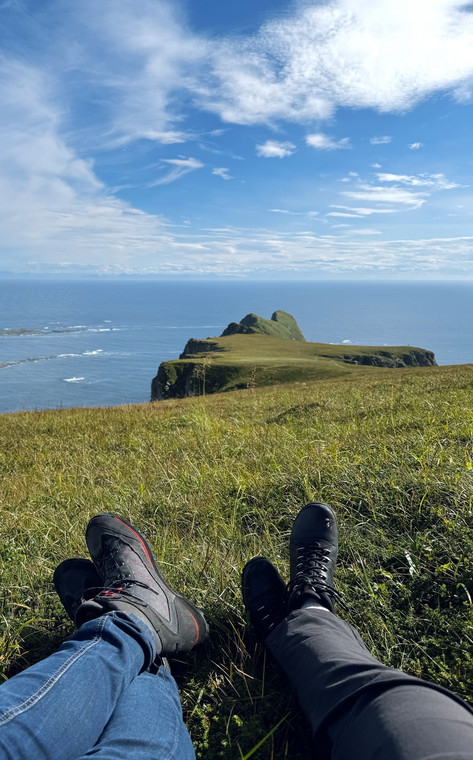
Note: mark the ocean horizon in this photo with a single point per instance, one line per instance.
(66, 343)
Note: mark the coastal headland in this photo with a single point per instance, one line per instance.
(256, 352)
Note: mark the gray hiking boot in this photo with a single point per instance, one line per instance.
(133, 583)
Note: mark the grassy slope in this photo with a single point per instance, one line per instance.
(216, 480)
(260, 360)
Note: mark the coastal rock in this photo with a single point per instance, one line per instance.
(414, 358)
(281, 325)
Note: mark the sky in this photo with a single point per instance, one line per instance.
(201, 138)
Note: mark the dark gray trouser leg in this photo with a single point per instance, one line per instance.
(358, 708)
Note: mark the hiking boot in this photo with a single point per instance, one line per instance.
(76, 581)
(133, 583)
(313, 549)
(264, 596)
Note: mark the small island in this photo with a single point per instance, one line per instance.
(256, 352)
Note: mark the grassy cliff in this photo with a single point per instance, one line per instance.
(216, 480)
(281, 325)
(254, 360)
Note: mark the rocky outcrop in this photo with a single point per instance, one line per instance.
(281, 325)
(415, 358)
(194, 346)
(177, 379)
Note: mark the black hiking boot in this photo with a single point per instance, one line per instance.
(313, 549)
(264, 596)
(133, 583)
(76, 581)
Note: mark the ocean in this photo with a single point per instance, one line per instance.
(100, 342)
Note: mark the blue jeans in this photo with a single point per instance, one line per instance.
(95, 697)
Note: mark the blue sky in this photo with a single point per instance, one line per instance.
(205, 138)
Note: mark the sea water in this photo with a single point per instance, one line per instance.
(100, 342)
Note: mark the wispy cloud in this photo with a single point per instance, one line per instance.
(384, 140)
(387, 195)
(434, 181)
(222, 172)
(275, 149)
(416, 145)
(325, 142)
(181, 167)
(343, 214)
(366, 231)
(284, 211)
(362, 211)
(53, 208)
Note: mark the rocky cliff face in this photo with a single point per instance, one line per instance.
(180, 380)
(414, 358)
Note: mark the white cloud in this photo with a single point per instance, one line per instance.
(53, 208)
(393, 196)
(434, 181)
(366, 231)
(275, 149)
(305, 64)
(141, 59)
(416, 145)
(364, 211)
(380, 194)
(343, 214)
(325, 142)
(182, 166)
(380, 140)
(222, 172)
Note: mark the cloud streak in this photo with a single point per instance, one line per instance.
(275, 149)
(325, 142)
(385, 140)
(221, 172)
(180, 167)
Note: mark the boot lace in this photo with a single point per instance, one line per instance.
(311, 573)
(121, 588)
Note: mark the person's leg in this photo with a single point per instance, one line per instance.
(146, 723)
(357, 707)
(408, 722)
(57, 709)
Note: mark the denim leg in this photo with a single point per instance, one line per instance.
(146, 724)
(58, 708)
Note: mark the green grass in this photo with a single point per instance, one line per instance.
(281, 325)
(215, 480)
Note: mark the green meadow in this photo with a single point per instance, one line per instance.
(218, 479)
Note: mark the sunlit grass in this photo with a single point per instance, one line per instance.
(215, 480)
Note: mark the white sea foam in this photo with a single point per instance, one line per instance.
(93, 353)
(64, 356)
(73, 379)
(347, 340)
